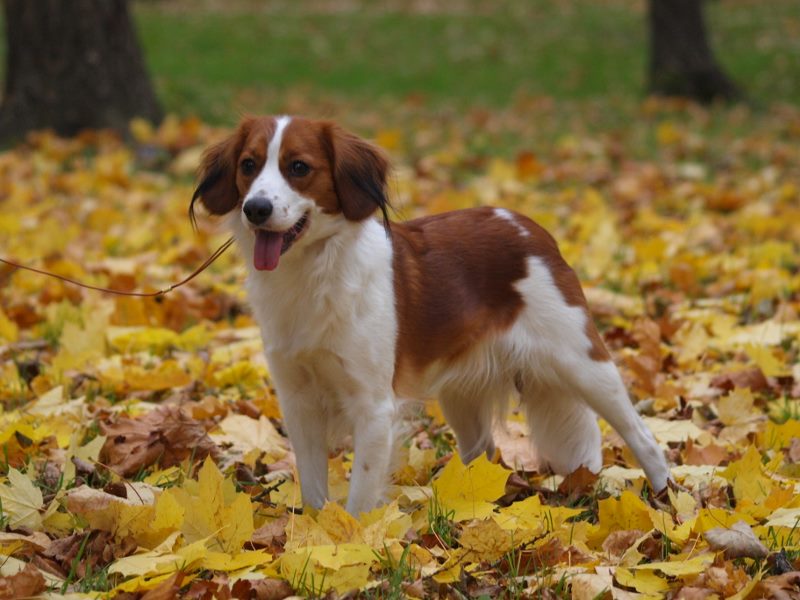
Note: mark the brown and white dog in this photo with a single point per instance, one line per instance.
(470, 306)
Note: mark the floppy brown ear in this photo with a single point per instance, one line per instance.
(359, 175)
(217, 174)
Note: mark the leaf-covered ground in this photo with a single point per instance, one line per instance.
(142, 449)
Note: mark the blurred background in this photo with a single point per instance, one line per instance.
(526, 70)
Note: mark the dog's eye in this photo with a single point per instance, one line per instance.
(248, 166)
(298, 168)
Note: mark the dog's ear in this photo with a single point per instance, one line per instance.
(359, 174)
(217, 175)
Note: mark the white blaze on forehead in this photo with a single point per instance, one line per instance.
(274, 147)
(270, 182)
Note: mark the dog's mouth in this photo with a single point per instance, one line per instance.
(270, 245)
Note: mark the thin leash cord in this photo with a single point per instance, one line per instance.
(217, 253)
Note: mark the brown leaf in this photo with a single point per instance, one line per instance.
(415, 589)
(99, 550)
(751, 378)
(551, 553)
(26, 584)
(738, 541)
(271, 533)
(514, 444)
(726, 580)
(704, 455)
(167, 435)
(167, 589)
(793, 453)
(262, 589)
(778, 587)
(618, 542)
(579, 482)
(694, 593)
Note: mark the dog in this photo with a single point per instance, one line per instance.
(472, 306)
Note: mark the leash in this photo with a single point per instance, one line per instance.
(217, 253)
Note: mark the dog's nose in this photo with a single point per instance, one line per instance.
(257, 210)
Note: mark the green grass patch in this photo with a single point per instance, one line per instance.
(218, 64)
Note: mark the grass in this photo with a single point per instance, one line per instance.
(220, 63)
(440, 522)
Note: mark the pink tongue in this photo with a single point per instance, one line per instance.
(268, 250)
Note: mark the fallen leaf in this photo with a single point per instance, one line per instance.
(167, 589)
(22, 501)
(214, 510)
(738, 541)
(28, 583)
(166, 435)
(778, 587)
(515, 446)
(469, 491)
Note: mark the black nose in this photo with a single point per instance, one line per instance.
(257, 210)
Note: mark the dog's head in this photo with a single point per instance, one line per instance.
(284, 173)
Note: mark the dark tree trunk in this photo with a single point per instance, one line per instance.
(681, 60)
(72, 64)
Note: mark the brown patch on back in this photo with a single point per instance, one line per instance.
(454, 277)
(453, 287)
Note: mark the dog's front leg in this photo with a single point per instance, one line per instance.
(373, 441)
(305, 421)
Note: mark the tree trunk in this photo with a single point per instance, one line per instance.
(72, 64)
(681, 60)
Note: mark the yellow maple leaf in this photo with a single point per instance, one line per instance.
(765, 358)
(748, 478)
(220, 561)
(644, 582)
(469, 490)
(121, 516)
(626, 513)
(530, 514)
(160, 560)
(340, 525)
(156, 340)
(709, 518)
(679, 565)
(316, 569)
(243, 373)
(89, 452)
(8, 329)
(488, 541)
(244, 434)
(214, 510)
(194, 338)
(21, 501)
(78, 344)
(384, 524)
(776, 436)
(165, 375)
(692, 341)
(736, 407)
(303, 530)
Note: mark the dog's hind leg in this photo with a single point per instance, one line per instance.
(470, 415)
(564, 430)
(599, 384)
